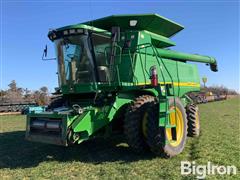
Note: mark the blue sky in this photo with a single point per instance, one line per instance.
(211, 28)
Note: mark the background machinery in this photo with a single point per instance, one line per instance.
(205, 96)
(8, 105)
(116, 74)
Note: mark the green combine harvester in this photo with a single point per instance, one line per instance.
(117, 75)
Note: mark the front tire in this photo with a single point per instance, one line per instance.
(161, 139)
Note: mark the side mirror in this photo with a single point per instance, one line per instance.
(45, 51)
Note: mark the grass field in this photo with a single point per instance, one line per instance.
(108, 159)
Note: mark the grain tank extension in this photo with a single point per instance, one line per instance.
(117, 75)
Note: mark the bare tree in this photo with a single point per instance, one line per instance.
(14, 93)
(41, 96)
(13, 86)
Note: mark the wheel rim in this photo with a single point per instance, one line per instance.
(176, 119)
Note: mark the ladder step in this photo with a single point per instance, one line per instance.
(170, 126)
(167, 112)
(169, 90)
(163, 101)
(172, 111)
(164, 113)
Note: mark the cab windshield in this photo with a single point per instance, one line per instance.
(81, 58)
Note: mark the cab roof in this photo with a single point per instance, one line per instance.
(150, 22)
(81, 26)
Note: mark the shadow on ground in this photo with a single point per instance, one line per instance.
(16, 152)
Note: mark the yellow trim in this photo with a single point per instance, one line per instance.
(176, 119)
(187, 84)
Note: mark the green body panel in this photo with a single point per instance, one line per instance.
(136, 51)
(186, 57)
(75, 88)
(96, 118)
(83, 125)
(138, 62)
(81, 26)
(150, 22)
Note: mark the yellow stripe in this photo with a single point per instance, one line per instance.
(187, 84)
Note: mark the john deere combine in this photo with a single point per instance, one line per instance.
(116, 74)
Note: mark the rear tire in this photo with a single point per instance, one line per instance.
(158, 138)
(193, 120)
(133, 123)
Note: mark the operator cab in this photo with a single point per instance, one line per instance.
(81, 55)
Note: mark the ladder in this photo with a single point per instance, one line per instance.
(165, 90)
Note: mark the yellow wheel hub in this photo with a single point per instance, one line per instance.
(177, 120)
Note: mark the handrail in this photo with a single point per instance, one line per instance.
(174, 100)
(131, 60)
(148, 45)
(157, 55)
(113, 65)
(145, 80)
